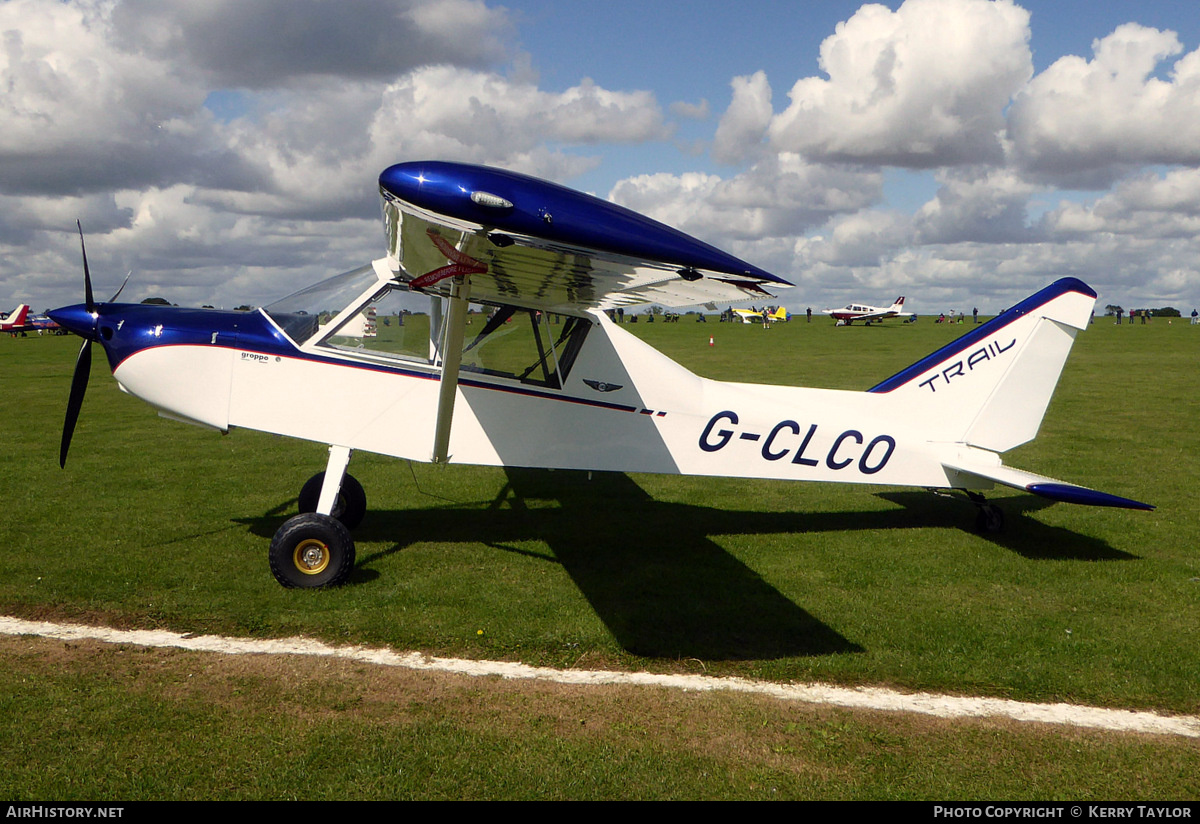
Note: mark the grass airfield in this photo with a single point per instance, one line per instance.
(156, 524)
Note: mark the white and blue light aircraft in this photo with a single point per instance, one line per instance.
(547, 380)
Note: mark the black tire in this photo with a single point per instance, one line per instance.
(990, 519)
(311, 551)
(350, 505)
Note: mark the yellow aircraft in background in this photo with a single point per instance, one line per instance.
(780, 315)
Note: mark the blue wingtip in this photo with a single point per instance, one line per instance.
(1088, 497)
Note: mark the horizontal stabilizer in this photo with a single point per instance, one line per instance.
(1050, 488)
(1082, 495)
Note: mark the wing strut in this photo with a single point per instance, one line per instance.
(452, 348)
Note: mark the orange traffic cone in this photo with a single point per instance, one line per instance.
(710, 341)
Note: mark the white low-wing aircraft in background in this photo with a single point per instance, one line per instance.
(547, 380)
(868, 314)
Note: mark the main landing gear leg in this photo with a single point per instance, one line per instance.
(314, 549)
(335, 492)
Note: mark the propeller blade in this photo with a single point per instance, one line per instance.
(87, 276)
(113, 299)
(79, 382)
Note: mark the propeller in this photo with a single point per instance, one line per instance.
(87, 277)
(83, 362)
(79, 382)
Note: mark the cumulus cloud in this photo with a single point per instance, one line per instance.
(1084, 123)
(108, 103)
(690, 111)
(863, 239)
(101, 96)
(1146, 206)
(783, 195)
(273, 43)
(922, 87)
(461, 114)
(82, 116)
(740, 133)
(219, 153)
(977, 206)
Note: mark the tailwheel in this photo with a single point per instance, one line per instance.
(350, 505)
(990, 518)
(312, 551)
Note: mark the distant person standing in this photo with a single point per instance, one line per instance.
(975, 314)
(808, 313)
(1195, 317)
(1120, 314)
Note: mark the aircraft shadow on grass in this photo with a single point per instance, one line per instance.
(1025, 536)
(651, 570)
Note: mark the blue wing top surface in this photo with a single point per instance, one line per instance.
(544, 244)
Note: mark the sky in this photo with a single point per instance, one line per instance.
(964, 153)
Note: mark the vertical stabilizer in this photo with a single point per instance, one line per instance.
(991, 387)
(16, 318)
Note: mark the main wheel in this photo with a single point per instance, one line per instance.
(311, 551)
(350, 505)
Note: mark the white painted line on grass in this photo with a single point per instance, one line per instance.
(868, 698)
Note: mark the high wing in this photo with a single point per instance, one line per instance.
(528, 242)
(477, 233)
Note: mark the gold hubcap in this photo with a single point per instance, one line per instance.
(311, 556)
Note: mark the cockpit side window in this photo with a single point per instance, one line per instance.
(394, 324)
(527, 345)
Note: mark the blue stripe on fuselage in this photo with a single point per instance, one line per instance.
(151, 327)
